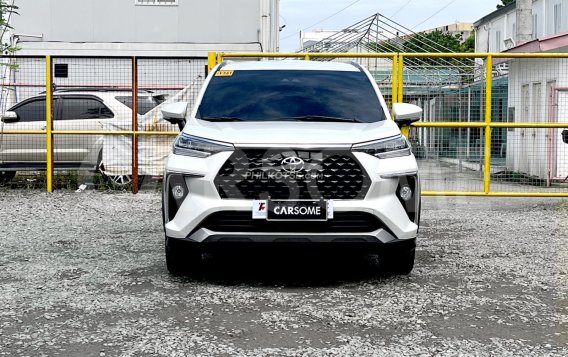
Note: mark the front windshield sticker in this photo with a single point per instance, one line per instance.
(224, 73)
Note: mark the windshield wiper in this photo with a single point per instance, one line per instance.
(222, 118)
(321, 118)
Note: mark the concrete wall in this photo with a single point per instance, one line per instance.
(122, 21)
(506, 24)
(537, 151)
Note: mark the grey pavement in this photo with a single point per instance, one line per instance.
(83, 274)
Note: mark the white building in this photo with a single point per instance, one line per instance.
(462, 29)
(310, 38)
(497, 31)
(537, 89)
(145, 27)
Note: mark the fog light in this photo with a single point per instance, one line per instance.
(405, 193)
(178, 192)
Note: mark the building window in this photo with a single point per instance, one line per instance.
(534, 27)
(497, 41)
(156, 2)
(557, 18)
(61, 70)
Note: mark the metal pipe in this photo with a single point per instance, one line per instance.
(488, 102)
(400, 78)
(49, 122)
(394, 90)
(134, 125)
(495, 194)
(113, 86)
(450, 124)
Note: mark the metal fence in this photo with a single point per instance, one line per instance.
(92, 121)
(492, 123)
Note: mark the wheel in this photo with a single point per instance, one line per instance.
(182, 258)
(121, 181)
(6, 176)
(397, 261)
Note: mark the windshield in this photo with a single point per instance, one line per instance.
(291, 95)
(145, 103)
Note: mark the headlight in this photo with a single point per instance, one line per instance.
(386, 148)
(188, 145)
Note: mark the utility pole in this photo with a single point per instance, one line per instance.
(524, 21)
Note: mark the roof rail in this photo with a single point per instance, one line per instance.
(357, 65)
(96, 89)
(224, 63)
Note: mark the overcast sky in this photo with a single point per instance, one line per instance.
(415, 14)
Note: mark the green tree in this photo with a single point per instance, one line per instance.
(7, 9)
(469, 44)
(504, 3)
(436, 41)
(385, 46)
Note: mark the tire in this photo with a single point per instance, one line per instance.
(397, 261)
(6, 176)
(182, 258)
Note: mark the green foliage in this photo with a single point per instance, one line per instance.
(436, 41)
(504, 3)
(6, 12)
(385, 47)
(469, 44)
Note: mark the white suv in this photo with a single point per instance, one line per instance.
(73, 109)
(291, 151)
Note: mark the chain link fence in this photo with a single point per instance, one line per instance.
(493, 124)
(86, 106)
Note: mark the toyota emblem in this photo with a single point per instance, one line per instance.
(292, 164)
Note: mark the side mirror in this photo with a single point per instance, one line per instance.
(406, 114)
(175, 113)
(565, 136)
(10, 117)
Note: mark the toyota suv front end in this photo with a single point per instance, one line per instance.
(291, 151)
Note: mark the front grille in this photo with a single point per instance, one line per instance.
(240, 221)
(264, 173)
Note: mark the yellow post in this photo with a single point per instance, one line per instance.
(134, 125)
(211, 61)
(488, 97)
(405, 130)
(49, 121)
(400, 78)
(306, 57)
(394, 94)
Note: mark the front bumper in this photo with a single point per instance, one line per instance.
(203, 200)
(208, 236)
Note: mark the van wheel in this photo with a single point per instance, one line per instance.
(120, 181)
(6, 176)
(182, 257)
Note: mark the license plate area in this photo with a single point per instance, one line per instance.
(293, 210)
(297, 210)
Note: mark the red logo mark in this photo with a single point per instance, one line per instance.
(261, 206)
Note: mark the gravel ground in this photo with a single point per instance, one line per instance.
(83, 274)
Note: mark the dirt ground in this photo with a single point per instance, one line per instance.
(83, 274)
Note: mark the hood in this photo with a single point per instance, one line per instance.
(277, 133)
